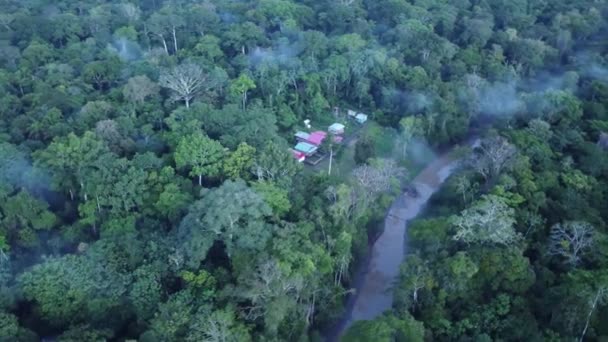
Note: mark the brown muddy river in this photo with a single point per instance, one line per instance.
(374, 291)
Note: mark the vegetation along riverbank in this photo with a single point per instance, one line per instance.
(177, 170)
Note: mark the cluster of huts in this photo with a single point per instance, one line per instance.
(308, 144)
(359, 117)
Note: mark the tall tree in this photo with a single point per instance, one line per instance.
(488, 221)
(233, 214)
(185, 80)
(139, 88)
(276, 164)
(71, 289)
(165, 23)
(71, 159)
(239, 163)
(22, 216)
(571, 240)
(241, 86)
(411, 127)
(203, 155)
(494, 155)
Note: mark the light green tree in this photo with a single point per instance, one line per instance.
(71, 159)
(21, 216)
(233, 214)
(241, 86)
(203, 155)
(238, 164)
(488, 221)
(411, 127)
(386, 328)
(277, 198)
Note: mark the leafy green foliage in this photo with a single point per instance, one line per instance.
(239, 163)
(69, 289)
(22, 216)
(387, 328)
(275, 197)
(487, 221)
(203, 155)
(233, 214)
(364, 150)
(108, 108)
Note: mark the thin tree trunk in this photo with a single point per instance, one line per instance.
(147, 35)
(200, 180)
(71, 195)
(85, 194)
(595, 300)
(331, 157)
(164, 43)
(187, 100)
(174, 40)
(312, 311)
(3, 255)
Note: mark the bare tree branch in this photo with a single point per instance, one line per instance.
(494, 155)
(186, 81)
(570, 240)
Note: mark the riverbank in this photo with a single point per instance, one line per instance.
(373, 285)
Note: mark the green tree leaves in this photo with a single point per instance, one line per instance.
(239, 163)
(387, 328)
(22, 217)
(71, 159)
(68, 289)
(233, 214)
(220, 325)
(123, 247)
(489, 221)
(241, 86)
(275, 197)
(204, 156)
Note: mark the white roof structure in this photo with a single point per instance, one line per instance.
(336, 128)
(361, 118)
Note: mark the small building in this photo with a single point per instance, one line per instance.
(336, 129)
(306, 148)
(302, 136)
(299, 156)
(351, 113)
(361, 118)
(316, 138)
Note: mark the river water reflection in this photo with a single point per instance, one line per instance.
(374, 291)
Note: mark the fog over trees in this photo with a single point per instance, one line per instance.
(147, 189)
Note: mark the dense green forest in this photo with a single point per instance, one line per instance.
(147, 191)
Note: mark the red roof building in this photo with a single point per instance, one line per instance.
(299, 156)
